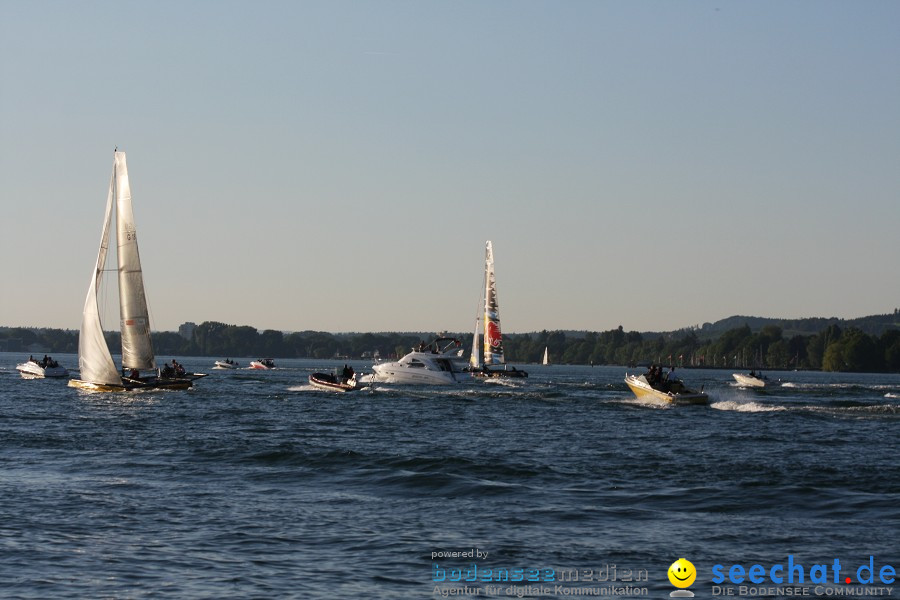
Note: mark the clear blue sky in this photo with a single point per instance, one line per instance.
(339, 165)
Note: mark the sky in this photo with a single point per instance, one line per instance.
(339, 165)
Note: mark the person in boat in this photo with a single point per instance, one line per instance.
(346, 373)
(134, 374)
(179, 368)
(168, 371)
(667, 382)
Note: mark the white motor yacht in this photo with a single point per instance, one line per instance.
(437, 364)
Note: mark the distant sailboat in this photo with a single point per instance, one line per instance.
(546, 360)
(98, 371)
(493, 338)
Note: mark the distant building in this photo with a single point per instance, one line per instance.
(186, 330)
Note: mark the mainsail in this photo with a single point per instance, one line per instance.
(137, 350)
(493, 339)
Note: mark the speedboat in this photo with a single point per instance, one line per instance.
(262, 363)
(755, 380)
(226, 364)
(674, 392)
(38, 370)
(432, 365)
(333, 383)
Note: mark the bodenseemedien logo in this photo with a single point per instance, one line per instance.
(682, 574)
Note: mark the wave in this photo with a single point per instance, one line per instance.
(836, 386)
(846, 410)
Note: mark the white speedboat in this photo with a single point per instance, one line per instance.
(39, 370)
(752, 379)
(436, 364)
(226, 364)
(262, 363)
(675, 392)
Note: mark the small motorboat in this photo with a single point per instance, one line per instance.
(176, 371)
(226, 364)
(426, 365)
(39, 370)
(333, 383)
(674, 392)
(752, 379)
(262, 363)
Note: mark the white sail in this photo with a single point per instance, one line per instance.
(94, 360)
(493, 338)
(546, 360)
(137, 350)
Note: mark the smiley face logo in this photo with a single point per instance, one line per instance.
(682, 573)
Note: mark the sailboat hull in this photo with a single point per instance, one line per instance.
(501, 372)
(131, 385)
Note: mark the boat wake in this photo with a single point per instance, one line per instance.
(648, 402)
(302, 388)
(748, 406)
(503, 382)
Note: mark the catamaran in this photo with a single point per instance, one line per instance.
(98, 372)
(493, 338)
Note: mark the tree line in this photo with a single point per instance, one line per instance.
(831, 349)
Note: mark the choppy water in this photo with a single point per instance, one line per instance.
(254, 485)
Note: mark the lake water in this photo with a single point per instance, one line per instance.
(255, 485)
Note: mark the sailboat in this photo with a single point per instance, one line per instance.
(98, 371)
(546, 359)
(493, 338)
